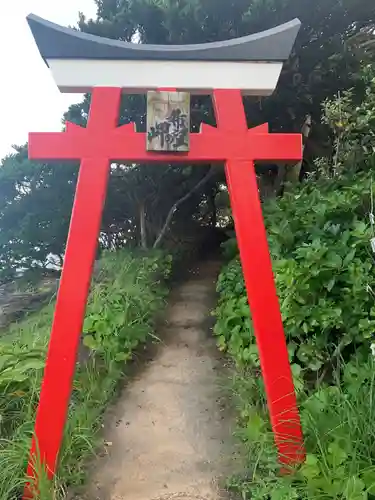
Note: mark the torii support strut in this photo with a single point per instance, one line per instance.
(96, 146)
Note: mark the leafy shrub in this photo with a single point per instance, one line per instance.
(353, 127)
(233, 325)
(319, 239)
(323, 265)
(116, 317)
(338, 439)
(322, 260)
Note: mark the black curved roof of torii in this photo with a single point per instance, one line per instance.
(57, 42)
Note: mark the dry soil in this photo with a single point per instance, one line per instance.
(168, 436)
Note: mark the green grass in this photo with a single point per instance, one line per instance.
(337, 420)
(124, 299)
(336, 401)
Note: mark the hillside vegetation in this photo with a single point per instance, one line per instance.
(319, 236)
(127, 293)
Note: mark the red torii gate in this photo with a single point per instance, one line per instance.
(102, 142)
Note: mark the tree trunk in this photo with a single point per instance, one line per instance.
(268, 183)
(293, 172)
(169, 218)
(211, 199)
(280, 179)
(142, 223)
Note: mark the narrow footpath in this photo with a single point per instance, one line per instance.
(168, 436)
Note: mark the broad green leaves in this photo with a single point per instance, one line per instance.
(319, 239)
(323, 269)
(119, 314)
(16, 365)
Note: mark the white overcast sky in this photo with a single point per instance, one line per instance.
(29, 99)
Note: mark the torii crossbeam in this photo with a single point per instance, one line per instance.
(103, 142)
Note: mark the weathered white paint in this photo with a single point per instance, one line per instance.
(72, 75)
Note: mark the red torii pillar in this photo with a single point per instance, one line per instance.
(96, 146)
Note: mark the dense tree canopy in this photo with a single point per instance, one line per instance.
(322, 62)
(36, 198)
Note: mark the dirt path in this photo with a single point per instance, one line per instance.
(168, 434)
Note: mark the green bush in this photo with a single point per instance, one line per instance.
(125, 295)
(353, 127)
(323, 265)
(320, 241)
(339, 440)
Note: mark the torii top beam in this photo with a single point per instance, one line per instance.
(80, 61)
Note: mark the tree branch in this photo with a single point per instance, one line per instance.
(177, 204)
